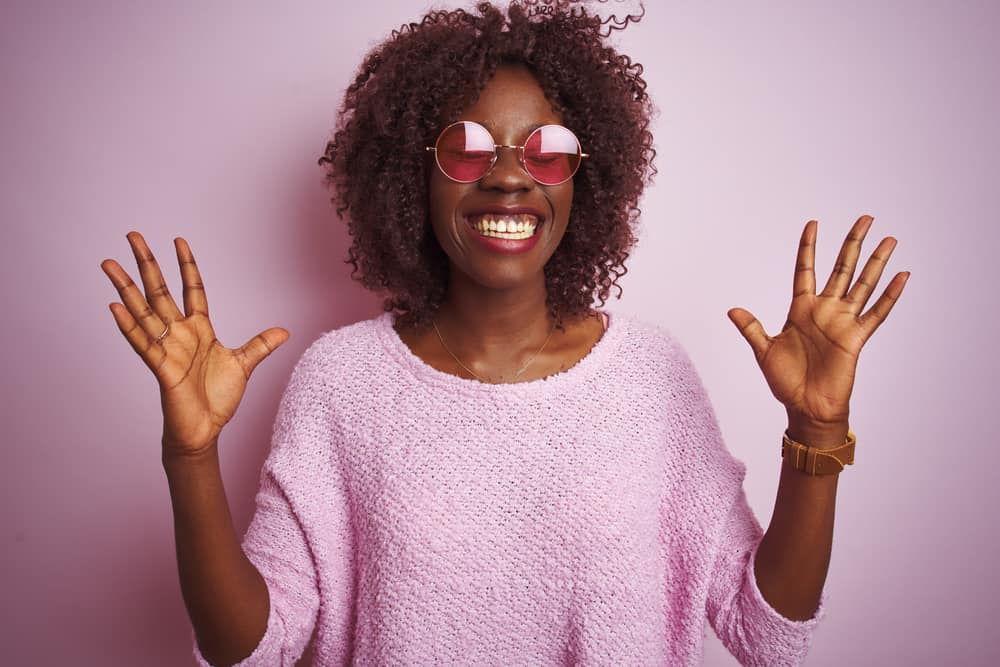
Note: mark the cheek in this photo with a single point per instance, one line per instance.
(562, 201)
(443, 197)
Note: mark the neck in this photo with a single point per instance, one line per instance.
(494, 328)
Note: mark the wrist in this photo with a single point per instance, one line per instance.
(175, 457)
(821, 435)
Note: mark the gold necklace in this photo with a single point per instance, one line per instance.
(517, 374)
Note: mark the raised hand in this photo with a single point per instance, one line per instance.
(201, 381)
(810, 365)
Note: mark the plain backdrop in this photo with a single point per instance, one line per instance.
(205, 120)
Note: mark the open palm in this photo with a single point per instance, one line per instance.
(810, 365)
(201, 381)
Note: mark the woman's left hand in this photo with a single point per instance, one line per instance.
(810, 365)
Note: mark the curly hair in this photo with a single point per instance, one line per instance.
(421, 78)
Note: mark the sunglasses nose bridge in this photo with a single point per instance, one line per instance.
(518, 152)
(521, 169)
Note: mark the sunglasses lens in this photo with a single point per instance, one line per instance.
(465, 151)
(552, 154)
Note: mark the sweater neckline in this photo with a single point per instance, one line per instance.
(603, 350)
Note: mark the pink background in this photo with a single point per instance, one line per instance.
(185, 119)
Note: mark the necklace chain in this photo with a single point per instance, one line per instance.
(517, 374)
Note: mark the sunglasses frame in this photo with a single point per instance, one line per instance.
(496, 152)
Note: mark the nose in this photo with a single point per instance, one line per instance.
(507, 173)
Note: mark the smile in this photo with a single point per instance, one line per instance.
(502, 226)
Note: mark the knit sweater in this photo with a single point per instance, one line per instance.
(407, 516)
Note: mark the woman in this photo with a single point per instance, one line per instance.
(492, 472)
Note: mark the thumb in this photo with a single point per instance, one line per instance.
(752, 330)
(260, 346)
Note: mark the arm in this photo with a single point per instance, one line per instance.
(793, 557)
(810, 367)
(201, 385)
(278, 629)
(224, 593)
(745, 621)
(748, 623)
(300, 531)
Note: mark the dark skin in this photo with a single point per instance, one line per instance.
(494, 317)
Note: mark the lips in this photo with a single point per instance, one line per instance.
(505, 229)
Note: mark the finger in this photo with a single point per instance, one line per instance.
(195, 299)
(876, 315)
(144, 345)
(847, 260)
(152, 280)
(133, 299)
(804, 281)
(870, 275)
(259, 347)
(752, 330)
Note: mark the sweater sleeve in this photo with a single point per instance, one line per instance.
(283, 537)
(276, 546)
(753, 631)
(750, 628)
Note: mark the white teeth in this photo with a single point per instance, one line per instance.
(519, 226)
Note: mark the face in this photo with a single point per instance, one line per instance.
(510, 106)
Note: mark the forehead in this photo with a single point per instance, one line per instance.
(511, 105)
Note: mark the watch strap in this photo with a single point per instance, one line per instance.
(818, 461)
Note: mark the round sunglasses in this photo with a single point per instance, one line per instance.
(465, 152)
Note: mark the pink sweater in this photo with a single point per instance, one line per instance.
(410, 517)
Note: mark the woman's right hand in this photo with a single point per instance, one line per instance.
(201, 381)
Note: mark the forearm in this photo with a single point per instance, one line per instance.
(792, 560)
(225, 595)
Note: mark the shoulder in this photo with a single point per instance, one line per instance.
(336, 356)
(694, 436)
(653, 344)
(658, 365)
(341, 344)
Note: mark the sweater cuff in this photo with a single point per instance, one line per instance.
(267, 652)
(795, 635)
